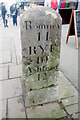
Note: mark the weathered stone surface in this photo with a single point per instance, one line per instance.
(16, 108)
(31, 83)
(66, 89)
(75, 115)
(15, 71)
(40, 39)
(51, 110)
(5, 57)
(70, 100)
(0, 90)
(41, 96)
(72, 109)
(3, 110)
(3, 73)
(11, 88)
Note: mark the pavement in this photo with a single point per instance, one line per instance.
(69, 57)
(12, 104)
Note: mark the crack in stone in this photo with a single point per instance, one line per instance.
(7, 110)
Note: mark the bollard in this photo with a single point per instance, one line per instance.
(40, 39)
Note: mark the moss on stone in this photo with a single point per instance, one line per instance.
(57, 113)
(32, 100)
(67, 94)
(52, 85)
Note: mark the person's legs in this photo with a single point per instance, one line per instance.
(3, 17)
(6, 23)
(13, 20)
(16, 21)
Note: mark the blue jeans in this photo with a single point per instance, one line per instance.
(15, 20)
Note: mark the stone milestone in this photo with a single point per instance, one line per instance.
(40, 39)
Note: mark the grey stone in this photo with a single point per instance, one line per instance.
(69, 57)
(17, 43)
(41, 96)
(31, 83)
(75, 115)
(4, 65)
(72, 109)
(51, 110)
(66, 89)
(3, 73)
(16, 108)
(5, 57)
(0, 90)
(40, 39)
(11, 88)
(70, 100)
(15, 71)
(3, 110)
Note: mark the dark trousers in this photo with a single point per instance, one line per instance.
(3, 17)
(15, 20)
(5, 22)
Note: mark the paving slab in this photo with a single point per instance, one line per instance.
(41, 96)
(75, 115)
(51, 110)
(18, 49)
(4, 73)
(15, 71)
(10, 48)
(0, 90)
(16, 108)
(69, 57)
(11, 88)
(3, 106)
(66, 89)
(69, 101)
(5, 42)
(72, 109)
(4, 65)
(5, 57)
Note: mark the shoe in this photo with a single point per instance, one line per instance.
(6, 25)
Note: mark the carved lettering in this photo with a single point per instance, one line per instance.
(38, 77)
(51, 48)
(46, 58)
(39, 36)
(37, 68)
(44, 26)
(47, 26)
(28, 25)
(47, 36)
(41, 49)
(29, 69)
(37, 60)
(34, 50)
(30, 50)
(42, 59)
